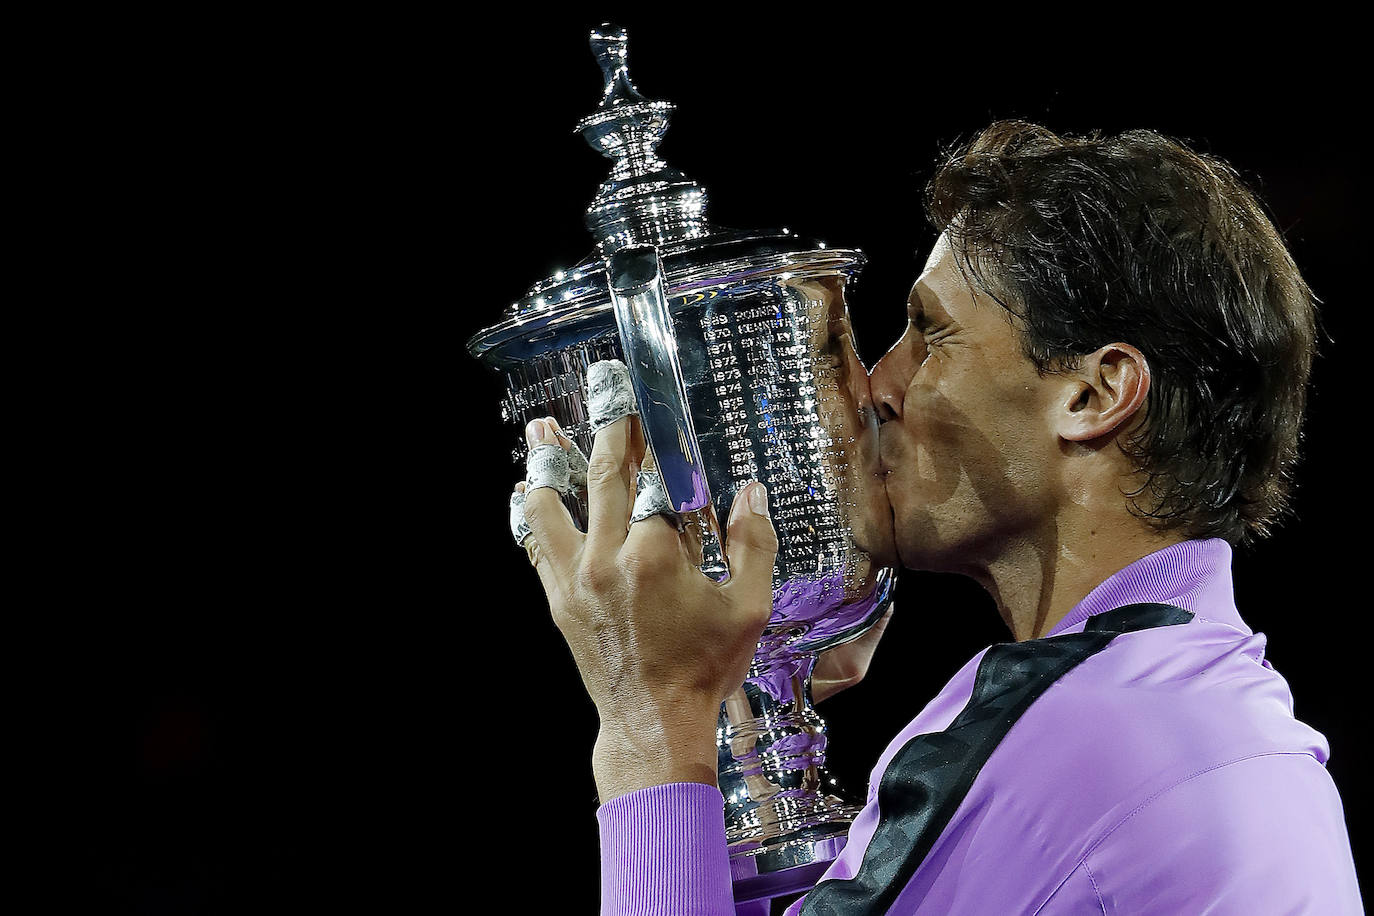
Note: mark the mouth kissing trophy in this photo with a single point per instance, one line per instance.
(743, 367)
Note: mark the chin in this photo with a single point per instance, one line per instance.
(873, 532)
(921, 559)
(878, 547)
(924, 544)
(918, 542)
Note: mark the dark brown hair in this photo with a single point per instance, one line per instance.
(1137, 239)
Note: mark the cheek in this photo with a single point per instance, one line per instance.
(941, 440)
(962, 427)
(936, 406)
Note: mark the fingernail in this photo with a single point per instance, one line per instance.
(758, 499)
(537, 433)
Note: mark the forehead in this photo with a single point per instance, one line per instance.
(942, 285)
(940, 250)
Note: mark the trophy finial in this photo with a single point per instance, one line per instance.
(609, 44)
(644, 201)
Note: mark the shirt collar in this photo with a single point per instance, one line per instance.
(1194, 575)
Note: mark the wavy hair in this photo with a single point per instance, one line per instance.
(1138, 239)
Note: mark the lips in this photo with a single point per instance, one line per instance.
(869, 445)
(888, 449)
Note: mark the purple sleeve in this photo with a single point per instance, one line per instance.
(1264, 834)
(663, 852)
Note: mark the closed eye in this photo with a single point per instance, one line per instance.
(932, 341)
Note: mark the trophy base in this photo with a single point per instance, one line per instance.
(770, 870)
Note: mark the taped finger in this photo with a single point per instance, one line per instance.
(577, 462)
(577, 466)
(545, 487)
(547, 466)
(651, 498)
(610, 395)
(518, 529)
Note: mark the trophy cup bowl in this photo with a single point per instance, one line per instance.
(744, 366)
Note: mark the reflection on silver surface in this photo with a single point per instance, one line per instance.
(774, 391)
(651, 352)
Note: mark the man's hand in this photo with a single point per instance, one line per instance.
(658, 644)
(844, 666)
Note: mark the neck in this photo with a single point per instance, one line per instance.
(1038, 578)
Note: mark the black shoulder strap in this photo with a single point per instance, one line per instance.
(928, 778)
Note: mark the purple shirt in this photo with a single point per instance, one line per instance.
(1164, 773)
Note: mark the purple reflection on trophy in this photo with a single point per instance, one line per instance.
(744, 368)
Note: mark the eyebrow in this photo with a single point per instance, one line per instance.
(919, 312)
(915, 305)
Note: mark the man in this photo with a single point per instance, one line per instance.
(1098, 393)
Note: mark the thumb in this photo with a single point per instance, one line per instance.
(751, 546)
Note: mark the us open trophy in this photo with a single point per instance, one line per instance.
(743, 366)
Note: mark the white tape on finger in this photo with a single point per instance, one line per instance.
(652, 499)
(577, 467)
(610, 395)
(547, 466)
(518, 529)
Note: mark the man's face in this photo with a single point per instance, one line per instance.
(967, 441)
(846, 413)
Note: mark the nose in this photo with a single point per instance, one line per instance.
(857, 377)
(892, 374)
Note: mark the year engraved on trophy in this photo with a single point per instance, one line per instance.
(750, 329)
(759, 364)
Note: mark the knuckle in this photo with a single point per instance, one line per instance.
(762, 614)
(561, 618)
(542, 506)
(599, 578)
(639, 567)
(536, 502)
(763, 540)
(603, 468)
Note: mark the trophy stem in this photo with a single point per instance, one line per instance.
(784, 818)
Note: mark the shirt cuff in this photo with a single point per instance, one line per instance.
(663, 851)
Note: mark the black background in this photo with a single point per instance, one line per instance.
(310, 663)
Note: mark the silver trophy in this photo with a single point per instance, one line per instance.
(744, 367)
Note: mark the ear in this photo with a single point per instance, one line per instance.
(1104, 394)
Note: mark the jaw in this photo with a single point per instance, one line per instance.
(870, 513)
(874, 533)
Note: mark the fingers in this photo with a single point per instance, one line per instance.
(577, 462)
(518, 529)
(527, 540)
(549, 522)
(846, 665)
(751, 547)
(655, 529)
(876, 633)
(615, 449)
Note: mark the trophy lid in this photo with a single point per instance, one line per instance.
(643, 201)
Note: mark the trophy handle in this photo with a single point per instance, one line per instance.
(650, 345)
(646, 335)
